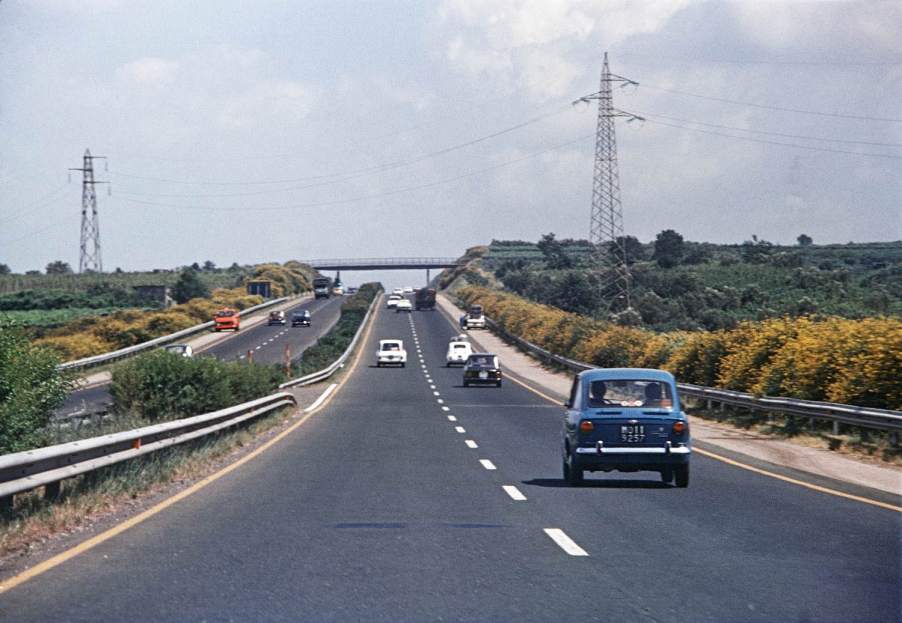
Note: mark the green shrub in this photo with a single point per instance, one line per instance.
(30, 389)
(162, 386)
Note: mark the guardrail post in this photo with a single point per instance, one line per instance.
(835, 427)
(894, 438)
(6, 504)
(52, 491)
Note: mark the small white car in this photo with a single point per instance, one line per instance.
(408, 290)
(391, 352)
(398, 291)
(183, 350)
(474, 318)
(403, 305)
(458, 352)
(392, 300)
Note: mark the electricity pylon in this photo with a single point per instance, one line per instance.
(89, 258)
(606, 226)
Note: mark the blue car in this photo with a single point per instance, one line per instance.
(625, 419)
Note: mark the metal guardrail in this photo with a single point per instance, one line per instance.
(96, 360)
(373, 263)
(23, 471)
(325, 373)
(865, 417)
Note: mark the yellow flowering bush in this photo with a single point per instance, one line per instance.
(834, 359)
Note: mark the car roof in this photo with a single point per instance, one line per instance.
(391, 341)
(483, 355)
(632, 374)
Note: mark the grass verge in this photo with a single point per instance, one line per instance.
(86, 499)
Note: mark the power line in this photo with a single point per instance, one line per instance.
(416, 160)
(769, 107)
(380, 195)
(39, 203)
(344, 177)
(780, 143)
(798, 136)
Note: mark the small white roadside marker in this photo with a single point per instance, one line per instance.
(460, 429)
(446, 408)
(488, 464)
(565, 542)
(470, 443)
(451, 418)
(514, 492)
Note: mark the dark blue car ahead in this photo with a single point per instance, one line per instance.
(625, 419)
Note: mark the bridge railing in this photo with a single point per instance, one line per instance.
(350, 263)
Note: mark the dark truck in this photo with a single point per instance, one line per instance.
(322, 287)
(425, 299)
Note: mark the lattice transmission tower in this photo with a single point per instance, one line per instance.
(89, 259)
(606, 225)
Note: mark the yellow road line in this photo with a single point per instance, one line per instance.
(801, 483)
(750, 468)
(84, 546)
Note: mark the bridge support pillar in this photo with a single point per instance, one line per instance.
(428, 279)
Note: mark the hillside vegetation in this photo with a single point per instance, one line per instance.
(689, 286)
(99, 334)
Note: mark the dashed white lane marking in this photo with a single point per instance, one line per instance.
(565, 542)
(470, 443)
(240, 356)
(446, 408)
(451, 418)
(460, 429)
(439, 400)
(514, 492)
(436, 394)
(258, 348)
(488, 464)
(432, 387)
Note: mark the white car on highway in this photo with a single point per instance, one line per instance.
(403, 305)
(392, 300)
(398, 291)
(408, 290)
(391, 352)
(458, 352)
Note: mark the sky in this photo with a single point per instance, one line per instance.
(276, 130)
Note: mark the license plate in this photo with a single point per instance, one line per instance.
(483, 375)
(633, 433)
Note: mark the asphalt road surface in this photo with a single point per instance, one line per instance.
(267, 343)
(410, 498)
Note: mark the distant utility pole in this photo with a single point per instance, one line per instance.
(606, 227)
(89, 248)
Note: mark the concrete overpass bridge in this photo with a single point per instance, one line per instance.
(384, 263)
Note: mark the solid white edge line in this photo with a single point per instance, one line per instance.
(488, 464)
(460, 429)
(471, 444)
(514, 492)
(565, 542)
(321, 398)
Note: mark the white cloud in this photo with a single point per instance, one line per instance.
(267, 103)
(530, 43)
(150, 71)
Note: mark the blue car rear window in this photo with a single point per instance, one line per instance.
(630, 393)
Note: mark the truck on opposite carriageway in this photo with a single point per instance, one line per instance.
(425, 299)
(322, 287)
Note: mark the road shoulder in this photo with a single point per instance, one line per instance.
(721, 439)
